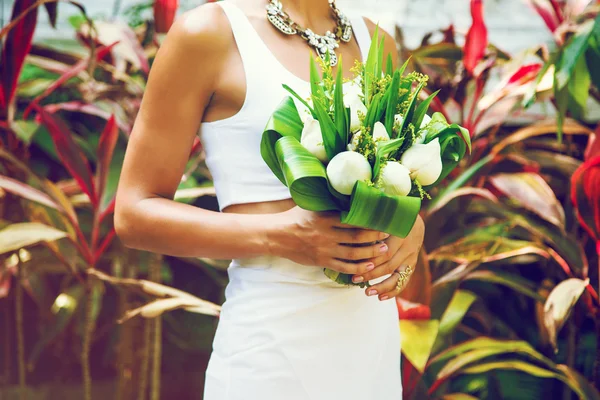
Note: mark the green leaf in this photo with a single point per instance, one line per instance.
(384, 150)
(315, 82)
(593, 59)
(422, 110)
(389, 68)
(453, 142)
(456, 310)
(371, 66)
(534, 370)
(372, 209)
(331, 139)
(392, 101)
(300, 99)
(408, 116)
(513, 281)
(341, 121)
(285, 121)
(465, 177)
(17, 236)
(416, 341)
(579, 88)
(572, 52)
(579, 383)
(304, 175)
(373, 113)
(499, 346)
(25, 130)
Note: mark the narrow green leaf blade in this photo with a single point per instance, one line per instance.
(331, 139)
(341, 121)
(392, 103)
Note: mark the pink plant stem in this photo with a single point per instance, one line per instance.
(479, 88)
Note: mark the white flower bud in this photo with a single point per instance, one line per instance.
(380, 133)
(394, 179)
(312, 139)
(424, 162)
(426, 120)
(353, 101)
(347, 168)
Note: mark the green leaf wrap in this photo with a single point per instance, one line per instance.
(372, 209)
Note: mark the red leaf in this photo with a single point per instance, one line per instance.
(476, 41)
(16, 47)
(105, 243)
(585, 195)
(69, 153)
(532, 192)
(109, 210)
(593, 146)
(164, 14)
(71, 72)
(137, 48)
(91, 109)
(52, 9)
(408, 310)
(525, 74)
(106, 147)
(27, 192)
(547, 10)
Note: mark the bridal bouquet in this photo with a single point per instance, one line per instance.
(366, 147)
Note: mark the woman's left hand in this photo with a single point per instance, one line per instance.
(402, 253)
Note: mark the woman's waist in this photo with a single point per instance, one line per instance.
(277, 269)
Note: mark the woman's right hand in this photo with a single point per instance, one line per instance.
(320, 239)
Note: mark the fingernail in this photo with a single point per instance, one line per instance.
(370, 267)
(371, 292)
(383, 298)
(358, 279)
(383, 248)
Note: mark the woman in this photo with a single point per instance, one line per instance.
(286, 331)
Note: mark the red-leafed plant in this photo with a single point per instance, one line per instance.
(164, 14)
(502, 214)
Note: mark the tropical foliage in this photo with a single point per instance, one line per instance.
(503, 303)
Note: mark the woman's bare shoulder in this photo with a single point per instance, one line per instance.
(202, 32)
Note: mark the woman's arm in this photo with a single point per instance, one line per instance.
(179, 89)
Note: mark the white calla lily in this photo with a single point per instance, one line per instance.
(426, 120)
(394, 179)
(353, 101)
(424, 162)
(347, 168)
(312, 139)
(380, 134)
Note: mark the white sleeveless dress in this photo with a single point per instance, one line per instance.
(286, 332)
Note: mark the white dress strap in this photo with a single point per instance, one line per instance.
(363, 37)
(251, 47)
